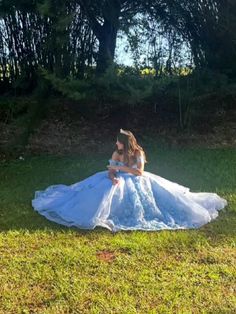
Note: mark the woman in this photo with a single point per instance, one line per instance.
(127, 198)
(129, 153)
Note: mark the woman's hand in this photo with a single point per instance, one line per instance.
(135, 171)
(112, 170)
(114, 167)
(115, 181)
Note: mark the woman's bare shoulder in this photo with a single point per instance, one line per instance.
(138, 153)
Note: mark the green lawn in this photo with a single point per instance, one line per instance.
(48, 268)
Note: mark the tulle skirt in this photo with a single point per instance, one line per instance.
(148, 202)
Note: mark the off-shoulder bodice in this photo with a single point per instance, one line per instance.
(113, 162)
(119, 163)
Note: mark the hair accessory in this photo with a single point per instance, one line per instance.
(123, 132)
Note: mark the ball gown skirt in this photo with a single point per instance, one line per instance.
(148, 202)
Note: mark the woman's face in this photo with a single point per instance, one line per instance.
(120, 146)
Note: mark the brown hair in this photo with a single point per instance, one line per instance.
(131, 146)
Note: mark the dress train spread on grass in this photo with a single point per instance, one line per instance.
(148, 202)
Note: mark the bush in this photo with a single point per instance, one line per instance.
(181, 98)
(12, 107)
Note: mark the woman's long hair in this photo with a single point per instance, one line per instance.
(131, 146)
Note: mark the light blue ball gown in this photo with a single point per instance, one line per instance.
(148, 202)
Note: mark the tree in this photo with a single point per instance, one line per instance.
(208, 25)
(105, 18)
(70, 37)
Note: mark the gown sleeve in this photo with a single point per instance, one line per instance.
(140, 159)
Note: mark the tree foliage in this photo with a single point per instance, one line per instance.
(76, 38)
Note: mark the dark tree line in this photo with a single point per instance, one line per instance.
(54, 35)
(77, 37)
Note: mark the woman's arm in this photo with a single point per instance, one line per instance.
(112, 172)
(140, 165)
(136, 171)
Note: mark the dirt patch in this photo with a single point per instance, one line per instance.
(64, 131)
(106, 256)
(70, 134)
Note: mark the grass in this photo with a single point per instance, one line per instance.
(48, 268)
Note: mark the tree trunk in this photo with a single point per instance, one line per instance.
(105, 32)
(107, 45)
